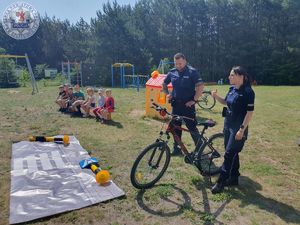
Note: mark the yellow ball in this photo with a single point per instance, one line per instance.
(102, 177)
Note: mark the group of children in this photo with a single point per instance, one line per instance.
(76, 104)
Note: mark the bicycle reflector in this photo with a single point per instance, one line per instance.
(162, 112)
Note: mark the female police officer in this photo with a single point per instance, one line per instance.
(238, 113)
(187, 88)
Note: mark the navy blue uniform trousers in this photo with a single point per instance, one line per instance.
(231, 164)
(180, 109)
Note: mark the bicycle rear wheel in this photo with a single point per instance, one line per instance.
(150, 165)
(206, 101)
(212, 155)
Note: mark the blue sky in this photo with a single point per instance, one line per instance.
(65, 9)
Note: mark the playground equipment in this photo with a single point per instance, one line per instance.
(16, 57)
(122, 67)
(102, 176)
(155, 94)
(164, 66)
(65, 139)
(154, 91)
(133, 80)
(72, 72)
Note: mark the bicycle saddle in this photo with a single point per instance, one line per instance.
(207, 123)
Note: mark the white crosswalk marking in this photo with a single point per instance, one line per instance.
(45, 161)
(18, 169)
(31, 163)
(58, 160)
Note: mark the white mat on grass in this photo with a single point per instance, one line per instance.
(46, 179)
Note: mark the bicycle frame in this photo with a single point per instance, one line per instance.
(171, 128)
(202, 157)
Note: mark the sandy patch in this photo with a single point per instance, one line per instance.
(13, 92)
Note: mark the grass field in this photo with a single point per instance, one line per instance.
(270, 162)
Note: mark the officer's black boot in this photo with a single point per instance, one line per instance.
(231, 181)
(176, 150)
(190, 158)
(218, 187)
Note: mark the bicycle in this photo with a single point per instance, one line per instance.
(206, 101)
(153, 161)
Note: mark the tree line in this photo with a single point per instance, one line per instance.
(261, 35)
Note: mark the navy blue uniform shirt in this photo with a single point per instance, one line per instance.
(239, 101)
(183, 82)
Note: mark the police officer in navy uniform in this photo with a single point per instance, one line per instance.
(238, 114)
(187, 88)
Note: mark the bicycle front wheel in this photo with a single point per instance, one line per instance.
(206, 101)
(212, 155)
(150, 165)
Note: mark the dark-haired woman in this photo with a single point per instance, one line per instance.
(238, 113)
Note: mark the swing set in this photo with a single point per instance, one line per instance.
(72, 75)
(14, 83)
(133, 80)
(164, 66)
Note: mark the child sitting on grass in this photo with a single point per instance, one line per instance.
(101, 103)
(62, 97)
(89, 103)
(70, 100)
(79, 95)
(79, 99)
(108, 108)
(60, 93)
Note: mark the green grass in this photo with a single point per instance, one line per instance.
(221, 197)
(269, 189)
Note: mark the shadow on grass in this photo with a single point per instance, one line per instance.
(114, 123)
(181, 207)
(147, 208)
(248, 195)
(203, 186)
(109, 123)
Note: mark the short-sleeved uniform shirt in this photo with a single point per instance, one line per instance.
(239, 101)
(183, 82)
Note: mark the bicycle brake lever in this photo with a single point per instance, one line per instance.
(177, 118)
(154, 107)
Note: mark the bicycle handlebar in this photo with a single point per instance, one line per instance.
(206, 92)
(176, 117)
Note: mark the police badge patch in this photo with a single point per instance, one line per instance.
(20, 20)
